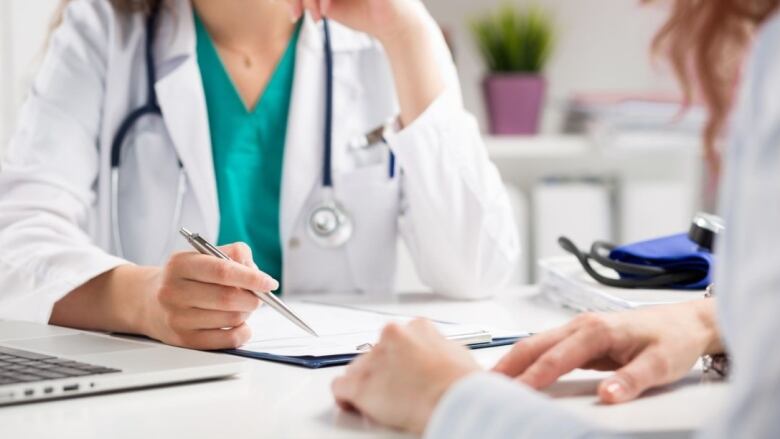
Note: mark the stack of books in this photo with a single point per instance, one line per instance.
(635, 121)
(564, 282)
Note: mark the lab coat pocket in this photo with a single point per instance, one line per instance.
(148, 187)
(372, 199)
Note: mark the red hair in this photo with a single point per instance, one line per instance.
(705, 41)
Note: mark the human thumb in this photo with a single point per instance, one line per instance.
(645, 371)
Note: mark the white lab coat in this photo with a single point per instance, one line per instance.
(448, 204)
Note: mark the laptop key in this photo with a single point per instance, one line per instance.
(13, 366)
(23, 354)
(18, 366)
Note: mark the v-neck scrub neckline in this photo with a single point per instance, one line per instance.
(248, 151)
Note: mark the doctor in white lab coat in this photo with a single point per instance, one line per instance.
(59, 255)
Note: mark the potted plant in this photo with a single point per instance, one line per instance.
(515, 46)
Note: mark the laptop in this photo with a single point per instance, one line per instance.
(39, 362)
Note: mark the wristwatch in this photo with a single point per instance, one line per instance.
(715, 365)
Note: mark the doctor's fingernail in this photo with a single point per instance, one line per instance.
(272, 283)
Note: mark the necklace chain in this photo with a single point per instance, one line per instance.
(247, 60)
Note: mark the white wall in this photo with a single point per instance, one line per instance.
(23, 28)
(6, 85)
(602, 46)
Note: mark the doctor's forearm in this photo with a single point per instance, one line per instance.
(418, 78)
(113, 301)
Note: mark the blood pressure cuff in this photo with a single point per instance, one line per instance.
(675, 253)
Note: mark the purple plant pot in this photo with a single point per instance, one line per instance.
(514, 102)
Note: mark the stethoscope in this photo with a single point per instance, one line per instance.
(329, 224)
(703, 232)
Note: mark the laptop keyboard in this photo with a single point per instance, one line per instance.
(18, 366)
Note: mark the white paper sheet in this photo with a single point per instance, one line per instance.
(565, 282)
(341, 330)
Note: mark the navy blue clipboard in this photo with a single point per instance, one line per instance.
(312, 362)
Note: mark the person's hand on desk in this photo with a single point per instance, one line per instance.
(400, 381)
(647, 348)
(195, 301)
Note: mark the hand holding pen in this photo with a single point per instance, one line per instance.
(202, 302)
(204, 247)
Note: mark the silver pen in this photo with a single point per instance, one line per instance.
(269, 299)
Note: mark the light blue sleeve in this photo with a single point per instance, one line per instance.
(490, 406)
(747, 280)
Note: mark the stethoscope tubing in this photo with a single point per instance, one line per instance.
(647, 277)
(327, 170)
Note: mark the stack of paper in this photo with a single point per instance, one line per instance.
(635, 121)
(564, 282)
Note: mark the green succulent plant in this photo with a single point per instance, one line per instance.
(513, 41)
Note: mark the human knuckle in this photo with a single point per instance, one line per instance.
(418, 322)
(235, 318)
(226, 298)
(391, 331)
(380, 350)
(165, 293)
(222, 271)
(253, 304)
(179, 337)
(169, 320)
(175, 321)
(243, 249)
(175, 260)
(591, 321)
(237, 337)
(422, 324)
(549, 361)
(659, 363)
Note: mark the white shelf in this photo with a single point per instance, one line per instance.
(577, 147)
(541, 146)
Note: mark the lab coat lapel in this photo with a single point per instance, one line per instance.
(304, 144)
(180, 93)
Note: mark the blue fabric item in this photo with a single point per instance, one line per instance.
(674, 253)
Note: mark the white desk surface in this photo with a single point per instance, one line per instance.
(278, 401)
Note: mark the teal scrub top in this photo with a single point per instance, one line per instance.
(248, 151)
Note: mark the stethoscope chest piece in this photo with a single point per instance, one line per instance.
(329, 224)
